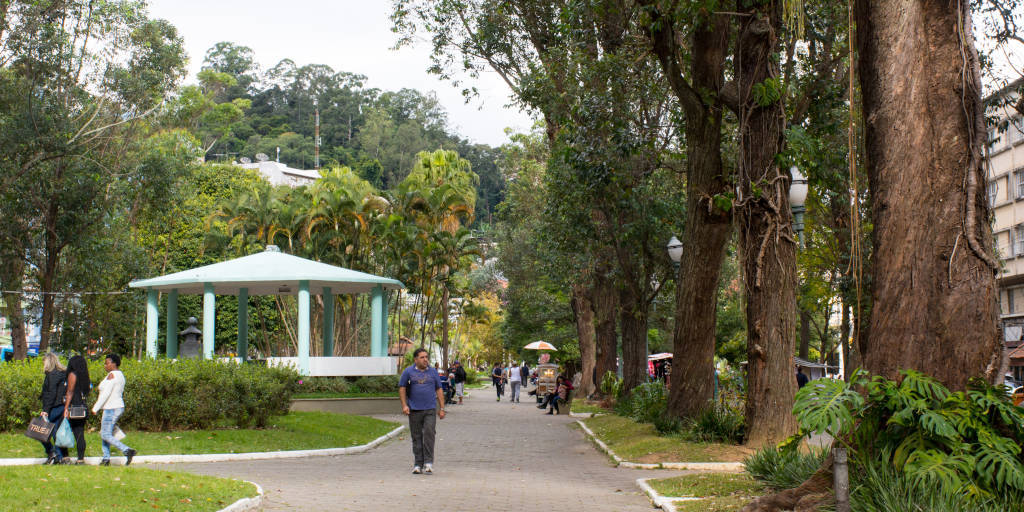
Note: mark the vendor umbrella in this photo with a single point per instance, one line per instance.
(540, 345)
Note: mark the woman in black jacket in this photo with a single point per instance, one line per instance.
(54, 390)
(79, 386)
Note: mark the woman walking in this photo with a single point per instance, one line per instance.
(53, 404)
(79, 386)
(112, 404)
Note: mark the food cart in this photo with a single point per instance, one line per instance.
(546, 375)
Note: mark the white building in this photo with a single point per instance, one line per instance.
(280, 174)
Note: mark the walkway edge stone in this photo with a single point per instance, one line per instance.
(706, 466)
(225, 457)
(245, 504)
(663, 502)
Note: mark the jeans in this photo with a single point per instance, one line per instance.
(422, 426)
(55, 416)
(513, 394)
(500, 387)
(110, 417)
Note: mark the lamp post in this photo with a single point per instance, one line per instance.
(675, 252)
(797, 198)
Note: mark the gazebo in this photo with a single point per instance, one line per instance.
(272, 272)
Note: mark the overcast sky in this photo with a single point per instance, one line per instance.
(353, 36)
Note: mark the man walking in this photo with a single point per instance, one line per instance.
(419, 389)
(460, 380)
(498, 379)
(515, 381)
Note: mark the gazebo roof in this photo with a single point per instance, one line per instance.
(270, 272)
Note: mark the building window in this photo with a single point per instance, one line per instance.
(1009, 301)
(1015, 131)
(992, 190)
(1018, 178)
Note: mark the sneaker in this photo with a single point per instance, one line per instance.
(129, 455)
(105, 462)
(416, 470)
(428, 469)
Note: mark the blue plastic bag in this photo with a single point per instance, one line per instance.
(64, 438)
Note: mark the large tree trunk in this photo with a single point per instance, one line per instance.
(604, 326)
(767, 244)
(48, 274)
(583, 314)
(444, 328)
(934, 296)
(633, 323)
(13, 271)
(707, 226)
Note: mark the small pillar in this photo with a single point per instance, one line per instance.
(209, 320)
(303, 327)
(243, 324)
(328, 322)
(152, 322)
(377, 317)
(172, 324)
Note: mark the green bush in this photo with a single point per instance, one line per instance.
(472, 376)
(164, 395)
(611, 384)
(882, 488)
(376, 384)
(324, 385)
(721, 423)
(645, 404)
(783, 468)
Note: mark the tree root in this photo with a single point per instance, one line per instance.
(807, 497)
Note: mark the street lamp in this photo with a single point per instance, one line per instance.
(675, 251)
(797, 197)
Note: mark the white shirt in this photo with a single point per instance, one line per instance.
(110, 392)
(514, 375)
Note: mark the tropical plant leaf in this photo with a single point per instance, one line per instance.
(933, 467)
(826, 405)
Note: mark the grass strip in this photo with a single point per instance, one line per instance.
(707, 484)
(294, 431)
(581, 405)
(640, 442)
(131, 488)
(329, 394)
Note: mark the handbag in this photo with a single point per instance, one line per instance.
(64, 438)
(77, 412)
(39, 429)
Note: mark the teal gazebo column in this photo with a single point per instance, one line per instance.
(152, 322)
(378, 322)
(243, 324)
(209, 320)
(328, 322)
(172, 324)
(304, 327)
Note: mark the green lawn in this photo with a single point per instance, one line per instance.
(721, 491)
(295, 431)
(640, 442)
(48, 488)
(329, 394)
(581, 405)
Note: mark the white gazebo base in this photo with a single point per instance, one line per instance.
(341, 366)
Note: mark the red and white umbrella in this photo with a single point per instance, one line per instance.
(540, 345)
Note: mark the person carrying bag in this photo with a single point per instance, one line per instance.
(54, 389)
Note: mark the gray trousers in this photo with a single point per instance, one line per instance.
(514, 393)
(422, 426)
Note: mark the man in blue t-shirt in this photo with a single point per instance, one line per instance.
(419, 388)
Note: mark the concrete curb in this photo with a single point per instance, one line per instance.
(585, 414)
(244, 504)
(705, 466)
(225, 457)
(663, 502)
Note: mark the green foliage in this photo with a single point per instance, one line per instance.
(966, 441)
(767, 92)
(611, 384)
(780, 469)
(645, 404)
(879, 487)
(721, 423)
(376, 384)
(165, 395)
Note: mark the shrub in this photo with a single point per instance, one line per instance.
(611, 384)
(472, 376)
(325, 385)
(879, 487)
(645, 404)
(164, 395)
(783, 468)
(719, 423)
(376, 384)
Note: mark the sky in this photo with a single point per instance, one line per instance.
(352, 36)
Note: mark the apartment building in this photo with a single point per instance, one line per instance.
(1006, 198)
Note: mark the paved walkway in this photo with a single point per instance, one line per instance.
(489, 456)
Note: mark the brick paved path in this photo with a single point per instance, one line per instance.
(490, 455)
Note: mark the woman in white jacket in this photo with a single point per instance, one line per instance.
(112, 404)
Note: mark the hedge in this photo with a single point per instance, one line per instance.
(164, 395)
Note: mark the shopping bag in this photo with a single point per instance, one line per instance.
(118, 433)
(39, 429)
(65, 438)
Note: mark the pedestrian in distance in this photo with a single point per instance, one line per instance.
(111, 402)
(79, 386)
(515, 381)
(524, 374)
(498, 379)
(54, 389)
(460, 380)
(801, 379)
(419, 389)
